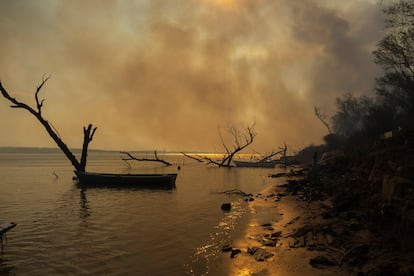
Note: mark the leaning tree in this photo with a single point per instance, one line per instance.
(88, 132)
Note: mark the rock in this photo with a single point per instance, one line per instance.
(226, 248)
(234, 253)
(252, 250)
(270, 243)
(259, 254)
(321, 261)
(276, 234)
(266, 224)
(278, 175)
(226, 206)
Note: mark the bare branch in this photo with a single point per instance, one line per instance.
(193, 157)
(39, 104)
(322, 118)
(247, 136)
(156, 159)
(269, 156)
(222, 141)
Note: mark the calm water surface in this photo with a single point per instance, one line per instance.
(63, 229)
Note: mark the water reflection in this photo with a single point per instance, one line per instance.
(84, 211)
(5, 269)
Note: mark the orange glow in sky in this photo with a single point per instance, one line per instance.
(224, 3)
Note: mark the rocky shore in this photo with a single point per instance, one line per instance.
(348, 216)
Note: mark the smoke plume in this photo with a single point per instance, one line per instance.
(166, 74)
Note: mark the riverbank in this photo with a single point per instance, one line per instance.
(300, 229)
(269, 246)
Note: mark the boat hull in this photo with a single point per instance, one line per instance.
(248, 164)
(130, 180)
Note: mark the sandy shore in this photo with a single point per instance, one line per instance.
(271, 215)
(290, 235)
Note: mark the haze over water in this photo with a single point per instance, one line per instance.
(62, 229)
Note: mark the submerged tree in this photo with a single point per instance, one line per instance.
(145, 159)
(88, 132)
(242, 138)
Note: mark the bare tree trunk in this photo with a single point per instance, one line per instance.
(88, 132)
(322, 118)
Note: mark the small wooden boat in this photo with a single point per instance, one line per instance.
(250, 164)
(290, 160)
(130, 180)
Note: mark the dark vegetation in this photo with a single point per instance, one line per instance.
(361, 121)
(366, 165)
(242, 137)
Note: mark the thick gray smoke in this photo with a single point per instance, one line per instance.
(165, 74)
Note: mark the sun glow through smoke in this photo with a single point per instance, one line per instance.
(224, 3)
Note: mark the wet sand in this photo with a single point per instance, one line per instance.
(289, 233)
(285, 215)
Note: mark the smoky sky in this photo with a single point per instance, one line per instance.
(161, 74)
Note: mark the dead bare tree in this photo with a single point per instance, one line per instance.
(268, 156)
(156, 159)
(242, 138)
(88, 132)
(197, 157)
(283, 151)
(322, 118)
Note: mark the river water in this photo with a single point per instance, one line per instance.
(63, 229)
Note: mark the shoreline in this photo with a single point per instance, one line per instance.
(274, 214)
(296, 229)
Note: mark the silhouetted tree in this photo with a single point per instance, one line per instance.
(242, 138)
(351, 115)
(322, 118)
(88, 132)
(395, 54)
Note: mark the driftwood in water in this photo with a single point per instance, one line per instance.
(196, 157)
(241, 140)
(156, 159)
(88, 132)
